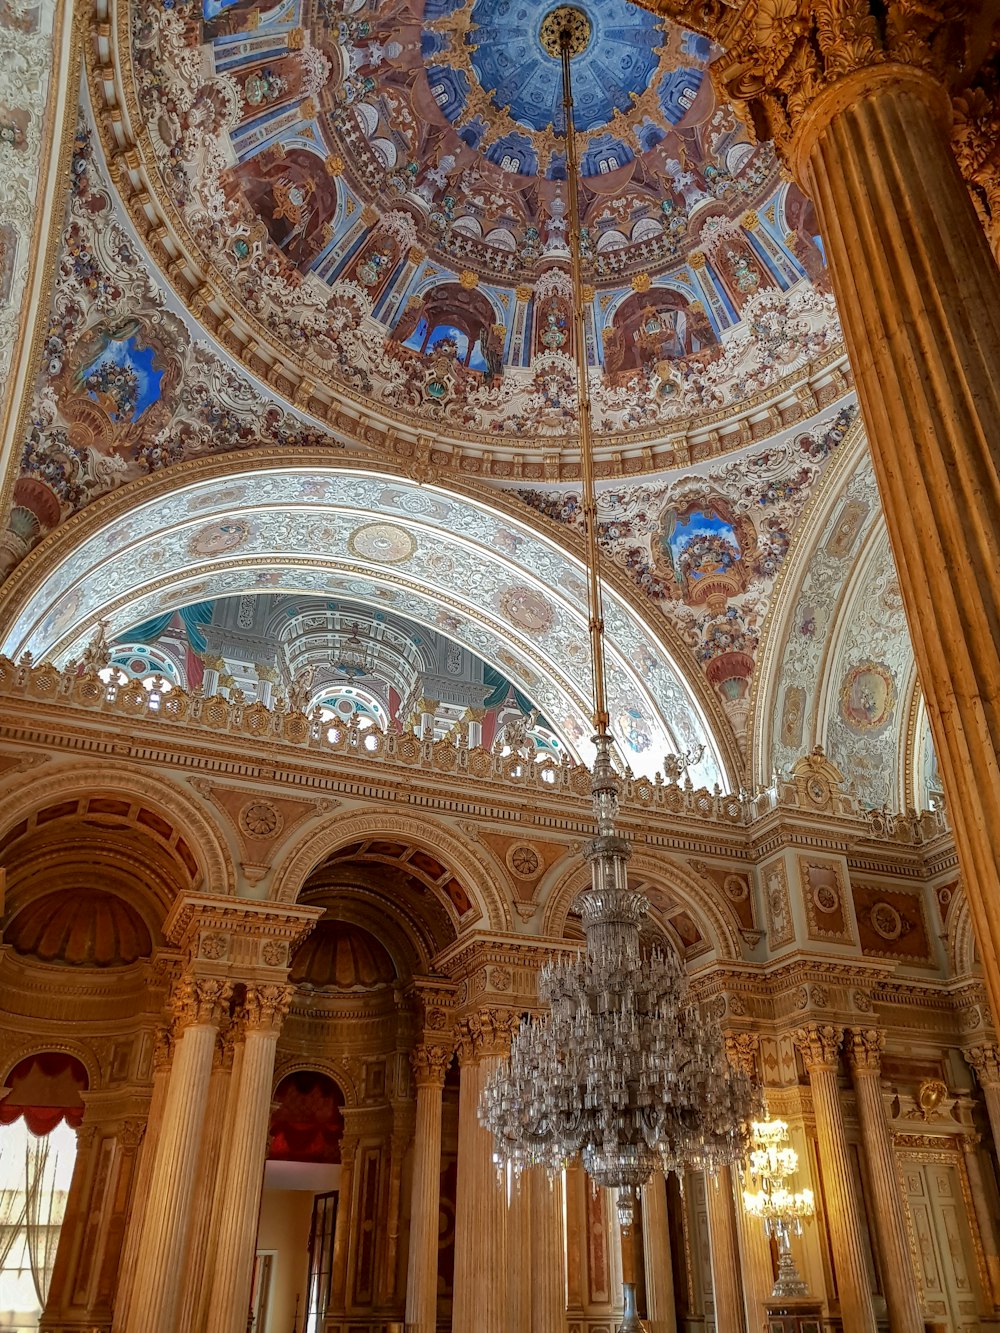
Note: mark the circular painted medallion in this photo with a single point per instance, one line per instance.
(385, 543)
(526, 608)
(867, 696)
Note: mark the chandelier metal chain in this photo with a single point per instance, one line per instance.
(624, 1069)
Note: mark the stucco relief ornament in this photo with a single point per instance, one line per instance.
(260, 819)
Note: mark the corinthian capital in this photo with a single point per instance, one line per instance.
(819, 1046)
(430, 1064)
(864, 1050)
(781, 55)
(741, 1051)
(265, 1007)
(985, 1060)
(486, 1032)
(200, 1000)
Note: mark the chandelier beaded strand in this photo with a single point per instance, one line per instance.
(623, 1069)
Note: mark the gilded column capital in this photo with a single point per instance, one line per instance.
(265, 1006)
(163, 1048)
(865, 1047)
(486, 1032)
(130, 1133)
(985, 1060)
(741, 1050)
(782, 58)
(819, 1046)
(430, 1063)
(200, 1001)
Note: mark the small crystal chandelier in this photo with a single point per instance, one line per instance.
(771, 1165)
(625, 1069)
(353, 654)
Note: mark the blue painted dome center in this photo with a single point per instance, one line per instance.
(511, 64)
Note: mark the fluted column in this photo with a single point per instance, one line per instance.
(820, 1047)
(848, 93)
(211, 1175)
(344, 1222)
(546, 1255)
(199, 1004)
(755, 1265)
(985, 1060)
(480, 1294)
(727, 1289)
(162, 1056)
(864, 1051)
(984, 1216)
(430, 1064)
(264, 1010)
(661, 1307)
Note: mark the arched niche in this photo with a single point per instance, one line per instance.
(680, 903)
(168, 840)
(374, 838)
(470, 566)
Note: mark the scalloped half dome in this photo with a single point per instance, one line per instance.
(83, 929)
(341, 956)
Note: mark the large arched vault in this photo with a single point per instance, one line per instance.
(458, 564)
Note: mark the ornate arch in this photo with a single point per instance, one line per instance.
(79, 1050)
(138, 549)
(679, 881)
(291, 1062)
(479, 874)
(62, 780)
(960, 942)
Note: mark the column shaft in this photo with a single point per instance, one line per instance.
(201, 1250)
(661, 1307)
(819, 1048)
(422, 1260)
(918, 292)
(234, 1244)
(756, 1265)
(140, 1190)
(726, 1286)
(480, 1298)
(342, 1231)
(546, 1257)
(162, 1250)
(889, 1230)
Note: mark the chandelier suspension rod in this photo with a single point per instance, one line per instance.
(589, 497)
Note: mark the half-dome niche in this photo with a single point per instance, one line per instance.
(339, 956)
(96, 929)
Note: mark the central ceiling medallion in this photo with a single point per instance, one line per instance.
(566, 27)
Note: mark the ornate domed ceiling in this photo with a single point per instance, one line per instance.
(95, 929)
(340, 956)
(366, 202)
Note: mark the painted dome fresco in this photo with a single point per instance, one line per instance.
(367, 202)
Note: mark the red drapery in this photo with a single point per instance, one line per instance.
(306, 1124)
(45, 1088)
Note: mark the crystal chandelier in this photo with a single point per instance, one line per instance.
(624, 1069)
(771, 1165)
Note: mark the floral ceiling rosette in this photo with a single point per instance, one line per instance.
(375, 194)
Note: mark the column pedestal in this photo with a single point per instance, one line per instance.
(819, 1047)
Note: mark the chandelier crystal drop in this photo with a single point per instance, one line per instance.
(623, 1069)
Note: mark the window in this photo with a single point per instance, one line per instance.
(35, 1175)
(510, 163)
(321, 1233)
